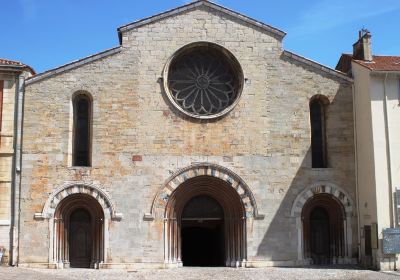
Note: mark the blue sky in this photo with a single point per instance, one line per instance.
(48, 33)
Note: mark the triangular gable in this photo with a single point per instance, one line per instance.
(195, 4)
(317, 66)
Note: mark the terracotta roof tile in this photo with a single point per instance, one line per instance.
(16, 63)
(9, 62)
(381, 63)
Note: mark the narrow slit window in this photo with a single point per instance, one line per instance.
(318, 139)
(82, 125)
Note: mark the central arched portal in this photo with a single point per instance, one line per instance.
(205, 224)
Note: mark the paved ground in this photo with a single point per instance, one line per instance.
(197, 273)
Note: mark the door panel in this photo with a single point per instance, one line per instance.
(80, 239)
(320, 239)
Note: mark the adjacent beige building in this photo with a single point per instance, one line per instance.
(12, 74)
(377, 128)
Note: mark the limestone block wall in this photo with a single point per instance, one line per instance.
(265, 139)
(6, 155)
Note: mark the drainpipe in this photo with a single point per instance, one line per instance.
(356, 167)
(13, 170)
(21, 98)
(388, 157)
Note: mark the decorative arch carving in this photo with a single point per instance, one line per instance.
(322, 188)
(339, 195)
(203, 169)
(70, 188)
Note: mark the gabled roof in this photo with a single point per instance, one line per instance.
(193, 5)
(381, 63)
(344, 63)
(318, 66)
(378, 63)
(72, 65)
(112, 51)
(16, 65)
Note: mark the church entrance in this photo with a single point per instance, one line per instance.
(80, 245)
(202, 233)
(323, 230)
(319, 235)
(79, 231)
(205, 224)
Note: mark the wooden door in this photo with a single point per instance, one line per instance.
(80, 239)
(320, 236)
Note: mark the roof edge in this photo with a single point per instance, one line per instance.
(362, 65)
(72, 65)
(17, 68)
(192, 5)
(317, 65)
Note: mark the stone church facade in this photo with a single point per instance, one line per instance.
(195, 130)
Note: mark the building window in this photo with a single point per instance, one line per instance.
(318, 138)
(82, 130)
(203, 80)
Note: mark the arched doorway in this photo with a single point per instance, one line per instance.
(205, 224)
(323, 220)
(79, 230)
(202, 232)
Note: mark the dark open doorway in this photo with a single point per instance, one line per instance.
(202, 233)
(202, 244)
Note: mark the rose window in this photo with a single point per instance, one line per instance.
(204, 82)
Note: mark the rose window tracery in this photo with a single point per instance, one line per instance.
(203, 82)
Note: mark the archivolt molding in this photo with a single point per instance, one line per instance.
(78, 187)
(322, 188)
(203, 169)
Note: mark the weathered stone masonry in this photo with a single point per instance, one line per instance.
(12, 74)
(139, 139)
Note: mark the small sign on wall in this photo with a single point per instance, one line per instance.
(391, 241)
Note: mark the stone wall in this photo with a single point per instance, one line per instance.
(265, 139)
(6, 157)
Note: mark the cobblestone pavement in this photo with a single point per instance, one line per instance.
(197, 273)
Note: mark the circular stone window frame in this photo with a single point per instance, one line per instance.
(236, 67)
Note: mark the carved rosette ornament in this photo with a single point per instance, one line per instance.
(203, 81)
